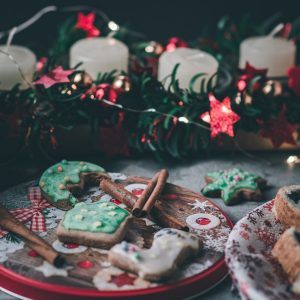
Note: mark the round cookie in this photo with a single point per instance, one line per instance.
(287, 206)
(63, 182)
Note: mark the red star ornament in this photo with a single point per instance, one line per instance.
(122, 279)
(279, 131)
(294, 79)
(86, 23)
(221, 117)
(58, 75)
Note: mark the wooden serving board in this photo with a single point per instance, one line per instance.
(90, 275)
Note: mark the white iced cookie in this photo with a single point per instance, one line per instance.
(170, 248)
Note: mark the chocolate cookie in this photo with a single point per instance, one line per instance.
(170, 248)
(287, 206)
(96, 225)
(234, 184)
(63, 182)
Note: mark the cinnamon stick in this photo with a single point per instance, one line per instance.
(10, 223)
(137, 210)
(160, 183)
(117, 191)
(159, 214)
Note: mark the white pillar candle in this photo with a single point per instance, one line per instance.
(192, 62)
(275, 54)
(99, 55)
(9, 73)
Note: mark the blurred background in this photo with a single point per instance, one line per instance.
(159, 20)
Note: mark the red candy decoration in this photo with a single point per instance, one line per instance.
(203, 221)
(122, 279)
(85, 264)
(115, 201)
(137, 192)
(33, 253)
(86, 23)
(174, 43)
(70, 245)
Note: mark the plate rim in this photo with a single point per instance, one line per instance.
(10, 279)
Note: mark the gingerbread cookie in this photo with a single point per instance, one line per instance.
(287, 206)
(61, 183)
(234, 184)
(97, 224)
(170, 248)
(287, 252)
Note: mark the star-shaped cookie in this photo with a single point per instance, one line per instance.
(233, 184)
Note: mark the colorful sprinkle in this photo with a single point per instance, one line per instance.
(61, 186)
(97, 224)
(111, 213)
(66, 178)
(78, 217)
(64, 161)
(81, 163)
(60, 169)
(42, 184)
(50, 171)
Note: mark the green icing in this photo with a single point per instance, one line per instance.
(229, 181)
(102, 217)
(54, 180)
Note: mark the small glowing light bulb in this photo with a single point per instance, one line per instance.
(183, 120)
(113, 26)
(293, 159)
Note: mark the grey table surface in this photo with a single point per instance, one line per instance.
(271, 166)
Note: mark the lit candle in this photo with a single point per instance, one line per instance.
(275, 54)
(192, 62)
(9, 73)
(99, 55)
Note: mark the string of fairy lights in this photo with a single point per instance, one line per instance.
(113, 27)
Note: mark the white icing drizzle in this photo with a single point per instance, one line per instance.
(191, 221)
(167, 245)
(49, 270)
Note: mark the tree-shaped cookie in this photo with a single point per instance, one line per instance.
(63, 182)
(234, 184)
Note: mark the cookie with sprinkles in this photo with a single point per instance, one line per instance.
(63, 182)
(234, 184)
(99, 225)
(170, 249)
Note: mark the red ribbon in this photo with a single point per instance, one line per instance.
(33, 213)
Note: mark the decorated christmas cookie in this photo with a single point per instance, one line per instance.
(233, 184)
(287, 206)
(287, 252)
(170, 248)
(61, 183)
(96, 224)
